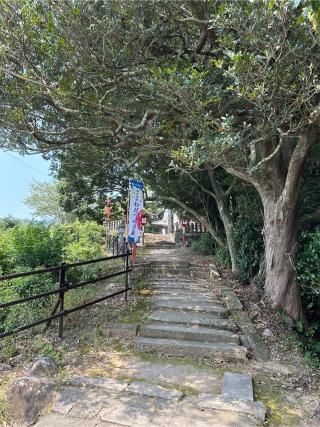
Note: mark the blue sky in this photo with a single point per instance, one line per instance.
(16, 174)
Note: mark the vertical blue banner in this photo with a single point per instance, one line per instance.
(135, 206)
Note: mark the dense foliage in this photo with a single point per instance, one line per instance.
(33, 246)
(194, 96)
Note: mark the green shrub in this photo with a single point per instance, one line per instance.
(308, 276)
(33, 246)
(250, 247)
(17, 315)
(222, 255)
(205, 245)
(308, 273)
(5, 260)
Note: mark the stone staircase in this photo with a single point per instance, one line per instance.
(173, 267)
(186, 320)
(84, 401)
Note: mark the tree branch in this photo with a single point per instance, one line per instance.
(196, 215)
(296, 164)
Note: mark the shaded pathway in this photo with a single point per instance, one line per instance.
(188, 321)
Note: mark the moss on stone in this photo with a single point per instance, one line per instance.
(137, 313)
(270, 394)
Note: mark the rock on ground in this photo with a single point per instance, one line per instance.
(26, 398)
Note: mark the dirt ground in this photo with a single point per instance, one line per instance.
(286, 384)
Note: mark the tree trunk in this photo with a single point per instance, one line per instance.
(214, 233)
(228, 229)
(221, 199)
(278, 184)
(280, 228)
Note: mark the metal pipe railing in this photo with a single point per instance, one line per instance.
(59, 311)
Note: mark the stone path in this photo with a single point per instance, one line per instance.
(186, 321)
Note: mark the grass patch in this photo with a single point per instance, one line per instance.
(293, 342)
(184, 361)
(279, 413)
(5, 380)
(143, 288)
(137, 312)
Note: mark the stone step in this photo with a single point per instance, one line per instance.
(153, 390)
(177, 281)
(166, 263)
(160, 247)
(195, 349)
(237, 386)
(192, 289)
(116, 386)
(171, 270)
(199, 274)
(178, 285)
(182, 293)
(192, 318)
(187, 332)
(255, 410)
(201, 307)
(181, 296)
(169, 279)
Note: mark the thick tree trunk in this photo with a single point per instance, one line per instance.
(280, 228)
(278, 184)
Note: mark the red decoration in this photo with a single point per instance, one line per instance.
(139, 218)
(108, 213)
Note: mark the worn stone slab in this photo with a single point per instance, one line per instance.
(195, 349)
(168, 262)
(188, 297)
(223, 403)
(231, 300)
(182, 291)
(188, 306)
(187, 415)
(188, 332)
(85, 410)
(126, 415)
(191, 318)
(154, 390)
(174, 415)
(67, 398)
(237, 386)
(57, 420)
(190, 376)
(172, 271)
(171, 280)
(101, 382)
(220, 290)
(252, 338)
(183, 297)
(63, 407)
(121, 330)
(142, 265)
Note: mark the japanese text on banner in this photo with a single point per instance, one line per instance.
(135, 206)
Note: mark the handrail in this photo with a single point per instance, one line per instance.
(58, 267)
(64, 287)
